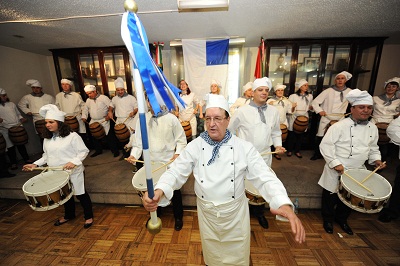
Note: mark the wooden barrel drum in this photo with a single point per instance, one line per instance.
(383, 137)
(18, 135)
(284, 131)
(97, 130)
(122, 132)
(188, 129)
(40, 127)
(72, 122)
(300, 124)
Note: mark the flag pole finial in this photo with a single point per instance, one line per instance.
(130, 5)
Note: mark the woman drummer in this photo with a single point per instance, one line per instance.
(191, 109)
(301, 104)
(386, 108)
(65, 148)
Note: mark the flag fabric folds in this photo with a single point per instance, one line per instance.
(204, 61)
(259, 69)
(159, 90)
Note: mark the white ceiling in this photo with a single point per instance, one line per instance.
(250, 19)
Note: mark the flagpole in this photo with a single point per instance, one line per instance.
(154, 224)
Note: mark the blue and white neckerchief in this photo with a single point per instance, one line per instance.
(261, 110)
(341, 92)
(37, 95)
(359, 122)
(386, 100)
(160, 114)
(217, 144)
(67, 93)
(55, 135)
(125, 94)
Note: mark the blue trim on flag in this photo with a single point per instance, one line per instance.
(217, 52)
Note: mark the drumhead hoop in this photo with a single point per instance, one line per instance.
(139, 179)
(251, 189)
(45, 183)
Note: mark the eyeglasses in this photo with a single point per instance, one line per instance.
(217, 119)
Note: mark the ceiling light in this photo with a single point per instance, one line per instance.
(200, 5)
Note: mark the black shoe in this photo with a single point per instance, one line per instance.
(6, 175)
(116, 154)
(178, 224)
(328, 226)
(316, 157)
(263, 222)
(277, 157)
(386, 217)
(96, 153)
(87, 225)
(346, 228)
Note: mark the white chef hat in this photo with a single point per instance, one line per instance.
(119, 83)
(3, 91)
(215, 100)
(300, 83)
(33, 83)
(90, 88)
(66, 81)
(357, 97)
(279, 87)
(395, 79)
(262, 82)
(346, 74)
(216, 82)
(50, 111)
(248, 85)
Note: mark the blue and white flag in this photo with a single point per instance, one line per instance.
(159, 90)
(206, 61)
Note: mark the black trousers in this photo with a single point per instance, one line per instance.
(111, 140)
(317, 152)
(12, 153)
(294, 142)
(86, 204)
(394, 203)
(257, 210)
(328, 210)
(177, 206)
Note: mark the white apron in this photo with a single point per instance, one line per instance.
(225, 228)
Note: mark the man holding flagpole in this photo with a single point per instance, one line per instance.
(220, 161)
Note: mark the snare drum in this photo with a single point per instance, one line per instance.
(252, 194)
(300, 125)
(139, 179)
(358, 198)
(48, 190)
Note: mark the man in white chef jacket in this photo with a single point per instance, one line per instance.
(32, 102)
(220, 161)
(393, 211)
(330, 104)
(259, 123)
(347, 144)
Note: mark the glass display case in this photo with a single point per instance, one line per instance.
(94, 66)
(319, 61)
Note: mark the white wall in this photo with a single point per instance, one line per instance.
(18, 66)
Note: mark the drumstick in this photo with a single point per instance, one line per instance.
(270, 152)
(59, 168)
(355, 180)
(339, 114)
(373, 172)
(162, 166)
(126, 119)
(139, 161)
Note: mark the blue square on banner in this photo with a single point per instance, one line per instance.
(217, 52)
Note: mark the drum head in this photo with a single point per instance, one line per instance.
(139, 179)
(251, 189)
(45, 183)
(380, 187)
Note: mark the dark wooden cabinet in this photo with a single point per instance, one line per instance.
(94, 66)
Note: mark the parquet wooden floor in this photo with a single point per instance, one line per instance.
(119, 237)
